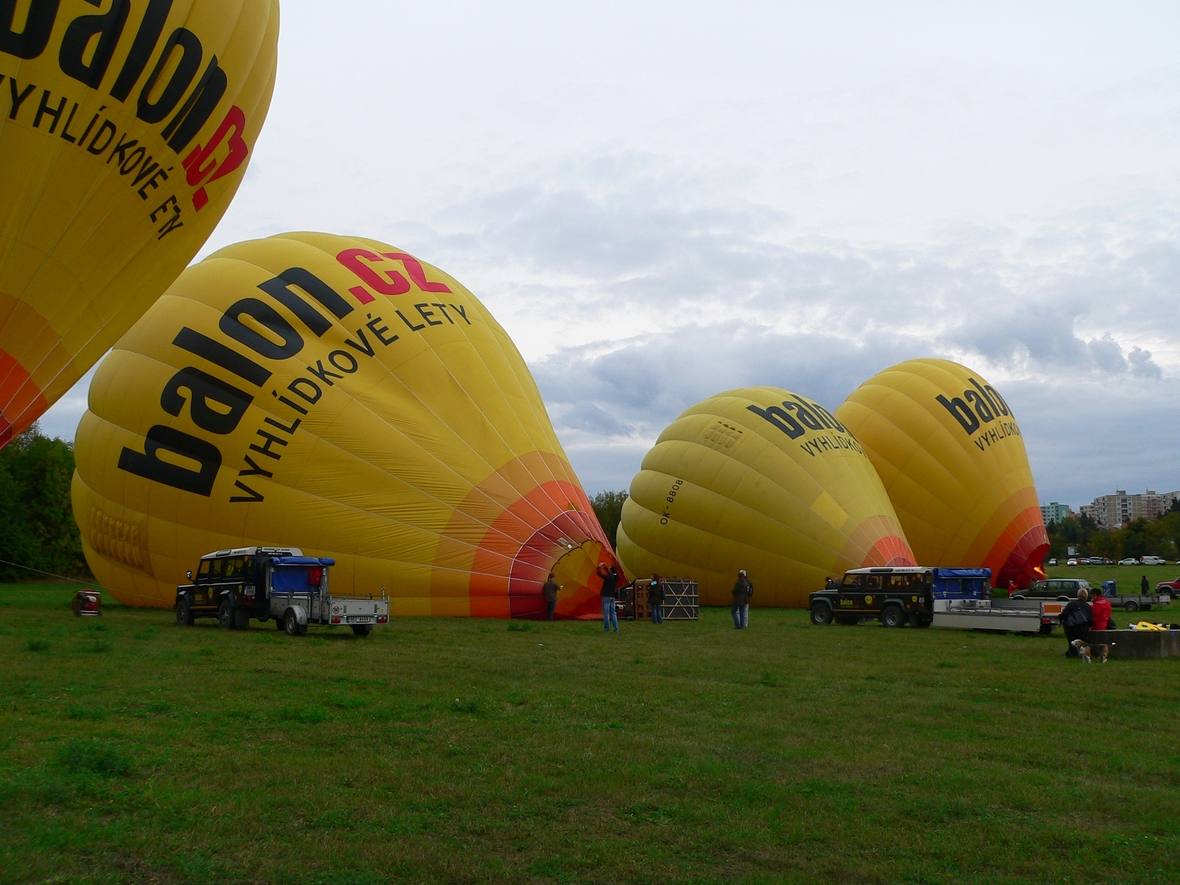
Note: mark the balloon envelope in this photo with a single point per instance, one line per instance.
(125, 129)
(335, 394)
(760, 479)
(951, 455)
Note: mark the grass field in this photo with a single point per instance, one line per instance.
(464, 750)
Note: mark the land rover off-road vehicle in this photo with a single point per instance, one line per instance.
(896, 595)
(272, 582)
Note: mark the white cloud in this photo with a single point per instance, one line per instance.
(662, 201)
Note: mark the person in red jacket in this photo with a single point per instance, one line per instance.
(1100, 610)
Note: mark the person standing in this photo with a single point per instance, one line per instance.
(1144, 587)
(655, 599)
(743, 589)
(1076, 619)
(610, 591)
(549, 594)
(1100, 612)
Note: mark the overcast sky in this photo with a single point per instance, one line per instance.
(663, 200)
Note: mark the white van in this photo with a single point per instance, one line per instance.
(1153, 560)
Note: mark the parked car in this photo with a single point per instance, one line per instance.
(1071, 561)
(1153, 560)
(1054, 588)
(1130, 560)
(1053, 561)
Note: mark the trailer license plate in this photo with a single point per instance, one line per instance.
(360, 619)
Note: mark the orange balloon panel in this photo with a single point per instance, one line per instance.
(763, 479)
(125, 130)
(952, 457)
(339, 395)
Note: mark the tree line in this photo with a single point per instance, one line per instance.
(39, 538)
(1139, 537)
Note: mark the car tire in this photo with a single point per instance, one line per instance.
(1018, 596)
(821, 613)
(225, 614)
(291, 624)
(362, 629)
(893, 616)
(184, 612)
(1131, 605)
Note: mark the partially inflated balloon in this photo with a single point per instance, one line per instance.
(951, 455)
(760, 479)
(125, 129)
(335, 394)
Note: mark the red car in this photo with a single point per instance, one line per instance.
(1171, 587)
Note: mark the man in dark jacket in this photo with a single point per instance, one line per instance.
(743, 589)
(549, 594)
(610, 591)
(655, 599)
(1076, 619)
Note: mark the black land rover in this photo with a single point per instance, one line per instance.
(895, 595)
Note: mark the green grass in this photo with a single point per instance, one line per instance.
(133, 750)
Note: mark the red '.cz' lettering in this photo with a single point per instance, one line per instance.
(197, 170)
(386, 281)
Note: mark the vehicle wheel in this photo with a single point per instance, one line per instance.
(921, 619)
(1046, 629)
(1018, 596)
(279, 625)
(1131, 605)
(225, 614)
(291, 623)
(821, 613)
(362, 629)
(893, 616)
(184, 612)
(241, 619)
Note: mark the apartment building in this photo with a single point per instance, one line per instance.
(1113, 511)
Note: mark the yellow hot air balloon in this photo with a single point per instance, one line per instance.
(761, 479)
(952, 457)
(339, 395)
(125, 129)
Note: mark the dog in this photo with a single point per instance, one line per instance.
(1087, 652)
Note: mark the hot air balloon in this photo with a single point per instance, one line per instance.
(952, 457)
(124, 133)
(338, 395)
(761, 479)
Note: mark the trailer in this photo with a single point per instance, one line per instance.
(1134, 601)
(963, 600)
(297, 599)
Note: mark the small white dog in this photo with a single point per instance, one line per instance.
(1088, 652)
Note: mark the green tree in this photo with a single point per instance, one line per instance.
(608, 507)
(40, 534)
